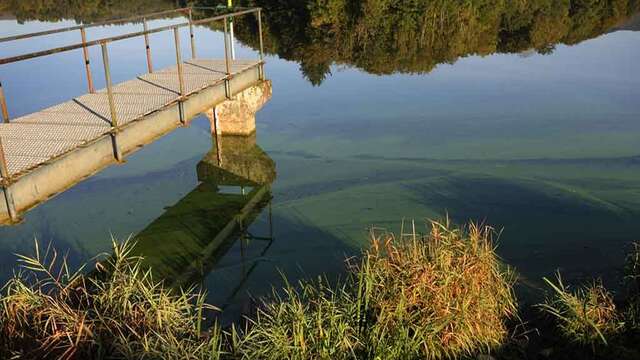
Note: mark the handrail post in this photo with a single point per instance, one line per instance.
(87, 66)
(260, 33)
(3, 105)
(261, 68)
(146, 45)
(231, 35)
(193, 43)
(176, 35)
(8, 196)
(112, 105)
(226, 61)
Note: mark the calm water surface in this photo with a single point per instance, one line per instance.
(537, 134)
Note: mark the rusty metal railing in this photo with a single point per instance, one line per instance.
(87, 44)
(6, 180)
(95, 24)
(83, 35)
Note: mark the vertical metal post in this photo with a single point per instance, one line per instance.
(243, 245)
(226, 47)
(146, 44)
(87, 66)
(261, 67)
(112, 105)
(260, 33)
(231, 37)
(226, 61)
(176, 35)
(8, 196)
(216, 133)
(3, 105)
(193, 42)
(270, 222)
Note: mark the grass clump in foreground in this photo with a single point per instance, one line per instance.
(587, 316)
(119, 311)
(590, 317)
(440, 295)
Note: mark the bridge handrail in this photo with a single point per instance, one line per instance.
(76, 46)
(90, 25)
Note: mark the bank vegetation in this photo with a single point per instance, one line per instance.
(444, 294)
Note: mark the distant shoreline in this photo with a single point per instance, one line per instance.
(7, 16)
(633, 24)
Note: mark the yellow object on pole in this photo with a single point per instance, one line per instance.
(231, 34)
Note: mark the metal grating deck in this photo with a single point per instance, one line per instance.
(37, 138)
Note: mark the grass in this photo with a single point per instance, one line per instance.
(441, 295)
(632, 277)
(587, 316)
(117, 311)
(435, 296)
(591, 322)
(444, 294)
(632, 268)
(312, 321)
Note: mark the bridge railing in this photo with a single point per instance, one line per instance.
(103, 43)
(96, 24)
(83, 35)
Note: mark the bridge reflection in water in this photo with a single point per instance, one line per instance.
(185, 243)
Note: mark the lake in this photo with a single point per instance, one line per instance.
(523, 116)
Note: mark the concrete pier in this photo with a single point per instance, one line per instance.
(237, 116)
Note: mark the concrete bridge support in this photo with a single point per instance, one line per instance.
(237, 116)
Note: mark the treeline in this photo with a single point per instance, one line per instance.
(84, 11)
(413, 36)
(378, 36)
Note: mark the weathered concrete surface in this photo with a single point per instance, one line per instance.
(66, 170)
(237, 116)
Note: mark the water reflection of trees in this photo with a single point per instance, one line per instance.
(379, 36)
(82, 10)
(413, 36)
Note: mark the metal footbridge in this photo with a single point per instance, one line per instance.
(44, 153)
